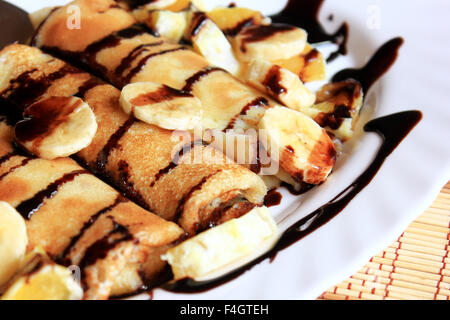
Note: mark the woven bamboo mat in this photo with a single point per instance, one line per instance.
(416, 266)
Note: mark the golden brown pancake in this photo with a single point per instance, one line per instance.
(79, 220)
(138, 158)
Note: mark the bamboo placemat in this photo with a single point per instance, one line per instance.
(416, 266)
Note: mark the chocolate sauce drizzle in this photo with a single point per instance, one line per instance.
(187, 196)
(29, 207)
(272, 81)
(144, 61)
(176, 159)
(305, 14)
(199, 20)
(261, 32)
(100, 249)
(14, 168)
(273, 198)
(378, 65)
(128, 60)
(89, 84)
(88, 57)
(392, 129)
(127, 186)
(7, 157)
(26, 89)
(112, 144)
(258, 102)
(232, 32)
(86, 226)
(190, 82)
(42, 118)
(164, 93)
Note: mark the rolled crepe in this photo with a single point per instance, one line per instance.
(148, 164)
(79, 220)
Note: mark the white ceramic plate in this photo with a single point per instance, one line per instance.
(408, 181)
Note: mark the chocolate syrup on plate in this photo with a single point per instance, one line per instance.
(272, 198)
(305, 14)
(380, 62)
(392, 129)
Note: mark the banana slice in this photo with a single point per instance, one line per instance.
(157, 4)
(337, 108)
(161, 105)
(304, 149)
(216, 250)
(13, 241)
(279, 83)
(309, 65)
(180, 5)
(232, 20)
(269, 42)
(56, 127)
(235, 144)
(209, 41)
(41, 279)
(169, 25)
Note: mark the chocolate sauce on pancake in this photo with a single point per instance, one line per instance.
(188, 195)
(112, 144)
(262, 32)
(127, 186)
(190, 82)
(165, 93)
(87, 225)
(14, 168)
(29, 207)
(128, 60)
(27, 87)
(176, 159)
(100, 249)
(392, 129)
(141, 64)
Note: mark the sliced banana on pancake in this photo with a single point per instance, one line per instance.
(41, 279)
(279, 83)
(13, 241)
(304, 149)
(162, 106)
(56, 127)
(232, 20)
(309, 65)
(209, 41)
(169, 25)
(337, 108)
(221, 248)
(269, 42)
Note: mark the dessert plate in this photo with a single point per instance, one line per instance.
(407, 182)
